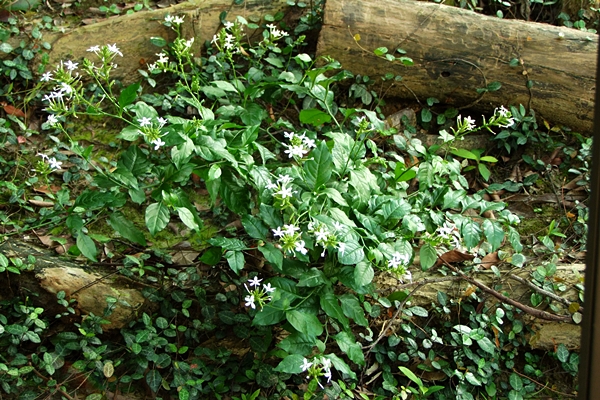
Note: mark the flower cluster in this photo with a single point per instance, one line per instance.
(258, 295)
(398, 264)
(152, 131)
(325, 238)
(299, 145)
(450, 235)
(502, 118)
(282, 191)
(319, 366)
(290, 239)
(171, 20)
(228, 38)
(466, 124)
(50, 162)
(275, 33)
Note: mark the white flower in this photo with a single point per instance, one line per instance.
(162, 58)
(289, 135)
(285, 192)
(46, 77)
(250, 301)
(178, 20)
(278, 232)
(299, 246)
(169, 18)
(271, 26)
(337, 226)
(151, 67)
(305, 365)
(268, 288)
(398, 260)
(308, 142)
(145, 121)
(321, 234)
(43, 156)
(471, 122)
(114, 49)
(161, 122)
(297, 151)
(65, 88)
(271, 186)
(445, 230)
(228, 25)
(290, 229)
(285, 179)
(503, 112)
(94, 49)
(341, 248)
(215, 40)
(254, 281)
(189, 43)
(509, 123)
(70, 65)
(158, 143)
(406, 277)
(52, 120)
(53, 163)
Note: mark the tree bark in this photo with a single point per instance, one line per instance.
(458, 51)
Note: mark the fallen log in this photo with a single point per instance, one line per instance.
(457, 51)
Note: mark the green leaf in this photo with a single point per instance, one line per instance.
(128, 95)
(426, 115)
(186, 216)
(314, 117)
(318, 169)
(330, 304)
(348, 345)
(471, 233)
(154, 380)
(184, 394)
(494, 233)
(353, 253)
(158, 41)
(428, 256)
(562, 353)
(126, 228)
(268, 316)
(464, 153)
(228, 243)
(254, 227)
(472, 379)
(273, 255)
(493, 86)
(410, 375)
(305, 323)
(129, 133)
(516, 382)
(484, 171)
(292, 364)
(236, 261)
(487, 345)
(363, 273)
(86, 246)
(312, 278)
(336, 196)
(352, 309)
(341, 366)
(157, 217)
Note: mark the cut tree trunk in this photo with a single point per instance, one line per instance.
(456, 51)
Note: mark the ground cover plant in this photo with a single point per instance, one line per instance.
(296, 197)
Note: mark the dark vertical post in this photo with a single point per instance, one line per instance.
(589, 370)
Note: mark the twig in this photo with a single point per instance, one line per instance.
(542, 385)
(418, 285)
(57, 388)
(542, 291)
(529, 310)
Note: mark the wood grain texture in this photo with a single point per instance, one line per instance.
(457, 51)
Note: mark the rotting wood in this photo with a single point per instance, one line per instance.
(457, 51)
